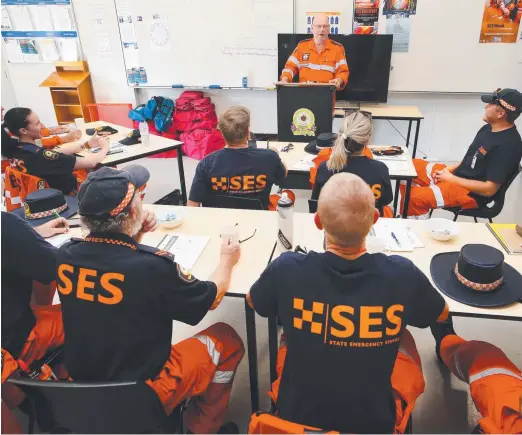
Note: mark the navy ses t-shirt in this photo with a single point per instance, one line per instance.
(343, 322)
(244, 172)
(493, 156)
(373, 172)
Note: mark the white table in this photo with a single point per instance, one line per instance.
(299, 175)
(157, 144)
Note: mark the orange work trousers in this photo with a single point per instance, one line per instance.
(426, 195)
(202, 368)
(407, 381)
(495, 382)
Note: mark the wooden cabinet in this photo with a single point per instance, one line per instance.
(71, 91)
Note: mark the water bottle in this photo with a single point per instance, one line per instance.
(285, 211)
(144, 132)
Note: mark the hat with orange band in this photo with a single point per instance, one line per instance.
(108, 192)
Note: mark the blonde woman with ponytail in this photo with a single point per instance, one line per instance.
(350, 154)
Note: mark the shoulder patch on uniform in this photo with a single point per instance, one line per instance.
(50, 155)
(185, 275)
(158, 252)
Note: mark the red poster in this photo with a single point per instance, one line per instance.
(365, 17)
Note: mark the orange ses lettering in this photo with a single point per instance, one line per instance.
(261, 182)
(376, 190)
(349, 327)
(248, 182)
(391, 315)
(88, 280)
(235, 183)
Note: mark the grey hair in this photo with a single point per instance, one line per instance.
(356, 127)
(121, 223)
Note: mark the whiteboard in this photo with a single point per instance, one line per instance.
(209, 42)
(444, 54)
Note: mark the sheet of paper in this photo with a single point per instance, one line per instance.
(41, 17)
(6, 21)
(395, 166)
(386, 229)
(13, 51)
(186, 249)
(302, 165)
(103, 42)
(61, 17)
(20, 18)
(69, 49)
(127, 33)
(48, 50)
(400, 28)
(123, 7)
(131, 56)
(59, 239)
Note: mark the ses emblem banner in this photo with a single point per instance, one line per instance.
(501, 21)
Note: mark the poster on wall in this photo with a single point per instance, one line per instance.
(334, 18)
(399, 7)
(399, 27)
(501, 21)
(365, 17)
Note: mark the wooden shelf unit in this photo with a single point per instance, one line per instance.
(71, 91)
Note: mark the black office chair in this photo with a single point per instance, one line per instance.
(232, 201)
(485, 212)
(81, 407)
(312, 205)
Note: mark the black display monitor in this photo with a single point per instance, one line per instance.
(368, 57)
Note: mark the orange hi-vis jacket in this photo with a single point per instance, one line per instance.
(315, 67)
(18, 185)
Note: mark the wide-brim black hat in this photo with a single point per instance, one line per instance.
(324, 140)
(43, 202)
(442, 270)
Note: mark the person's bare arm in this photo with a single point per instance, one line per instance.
(193, 203)
(230, 253)
(91, 160)
(483, 188)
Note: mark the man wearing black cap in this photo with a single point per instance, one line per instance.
(119, 299)
(493, 157)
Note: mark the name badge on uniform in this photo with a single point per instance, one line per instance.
(474, 161)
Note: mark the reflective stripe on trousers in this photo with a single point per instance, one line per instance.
(438, 195)
(220, 377)
(493, 371)
(14, 200)
(429, 168)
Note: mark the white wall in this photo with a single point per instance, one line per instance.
(450, 124)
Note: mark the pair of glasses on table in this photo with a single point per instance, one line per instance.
(248, 238)
(287, 148)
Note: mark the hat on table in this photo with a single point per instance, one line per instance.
(39, 206)
(324, 140)
(104, 130)
(508, 99)
(107, 192)
(132, 138)
(477, 276)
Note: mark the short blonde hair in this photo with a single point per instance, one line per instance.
(234, 124)
(355, 131)
(346, 209)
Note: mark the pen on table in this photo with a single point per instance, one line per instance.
(396, 239)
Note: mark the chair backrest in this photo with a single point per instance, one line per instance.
(312, 205)
(233, 201)
(125, 407)
(18, 185)
(499, 197)
(115, 113)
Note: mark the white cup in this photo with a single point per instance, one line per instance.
(229, 234)
(79, 122)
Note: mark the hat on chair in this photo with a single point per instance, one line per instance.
(324, 140)
(477, 276)
(39, 206)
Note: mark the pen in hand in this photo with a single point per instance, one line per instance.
(58, 216)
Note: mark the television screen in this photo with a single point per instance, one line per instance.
(368, 57)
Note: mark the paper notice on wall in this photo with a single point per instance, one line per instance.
(131, 56)
(334, 19)
(123, 8)
(6, 21)
(69, 49)
(29, 50)
(20, 18)
(159, 36)
(365, 17)
(41, 17)
(400, 28)
(500, 22)
(13, 51)
(127, 33)
(103, 43)
(48, 50)
(61, 17)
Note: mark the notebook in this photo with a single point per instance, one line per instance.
(507, 236)
(186, 249)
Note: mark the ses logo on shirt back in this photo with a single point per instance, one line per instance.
(240, 183)
(343, 325)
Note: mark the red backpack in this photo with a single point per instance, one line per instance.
(201, 142)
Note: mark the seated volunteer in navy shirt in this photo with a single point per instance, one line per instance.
(28, 332)
(491, 160)
(237, 169)
(347, 361)
(55, 166)
(348, 156)
(119, 299)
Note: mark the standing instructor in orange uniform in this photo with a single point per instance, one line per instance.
(318, 59)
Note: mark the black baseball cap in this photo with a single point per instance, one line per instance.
(509, 99)
(132, 138)
(108, 192)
